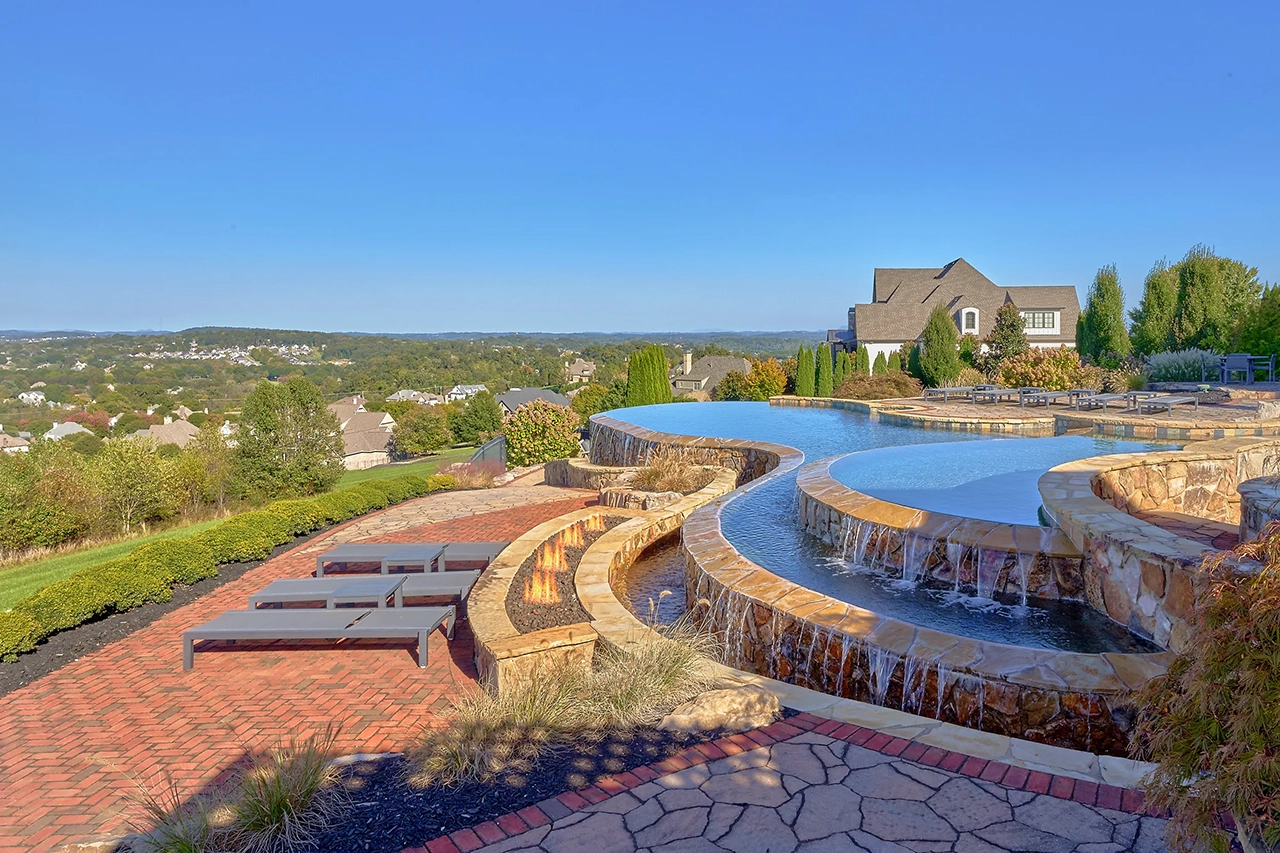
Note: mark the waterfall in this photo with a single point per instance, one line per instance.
(846, 648)
(943, 672)
(910, 544)
(914, 676)
(846, 531)
(881, 663)
(955, 556)
(990, 564)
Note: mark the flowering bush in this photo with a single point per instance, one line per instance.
(1179, 366)
(539, 432)
(1052, 369)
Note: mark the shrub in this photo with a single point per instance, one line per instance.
(301, 516)
(969, 376)
(128, 584)
(19, 633)
(940, 361)
(416, 486)
(892, 385)
(66, 604)
(895, 361)
(1178, 366)
(236, 543)
(1210, 722)
(442, 482)
(471, 475)
(1052, 369)
(367, 497)
(178, 560)
(669, 471)
(540, 431)
(1007, 339)
(337, 506)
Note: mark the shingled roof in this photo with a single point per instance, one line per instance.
(904, 298)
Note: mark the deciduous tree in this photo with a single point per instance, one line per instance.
(1152, 320)
(421, 430)
(478, 421)
(1102, 326)
(289, 442)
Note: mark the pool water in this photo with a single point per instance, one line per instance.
(761, 523)
(992, 480)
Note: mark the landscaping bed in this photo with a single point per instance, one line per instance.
(549, 572)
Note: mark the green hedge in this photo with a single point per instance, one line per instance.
(150, 571)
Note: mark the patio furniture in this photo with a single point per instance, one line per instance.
(1077, 393)
(947, 393)
(1166, 402)
(470, 552)
(332, 591)
(1102, 400)
(1236, 362)
(1026, 391)
(420, 553)
(380, 624)
(1210, 365)
(1135, 396)
(994, 395)
(1045, 397)
(1263, 362)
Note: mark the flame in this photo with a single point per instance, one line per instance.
(571, 537)
(540, 588)
(594, 524)
(550, 557)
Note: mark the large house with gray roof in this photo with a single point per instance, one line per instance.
(902, 300)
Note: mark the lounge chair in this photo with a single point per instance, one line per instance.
(1102, 400)
(1045, 397)
(455, 586)
(947, 393)
(994, 395)
(381, 624)
(1166, 402)
(470, 552)
(419, 553)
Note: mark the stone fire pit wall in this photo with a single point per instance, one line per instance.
(1259, 505)
(1140, 575)
(936, 549)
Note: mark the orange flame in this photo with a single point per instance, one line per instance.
(572, 537)
(540, 588)
(550, 557)
(594, 524)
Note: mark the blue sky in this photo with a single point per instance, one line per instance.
(609, 166)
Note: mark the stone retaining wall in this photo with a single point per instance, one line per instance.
(617, 443)
(908, 413)
(935, 549)
(1259, 505)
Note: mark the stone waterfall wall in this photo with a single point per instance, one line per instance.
(619, 444)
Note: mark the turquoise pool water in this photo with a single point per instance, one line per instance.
(761, 522)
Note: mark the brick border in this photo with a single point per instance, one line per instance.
(555, 808)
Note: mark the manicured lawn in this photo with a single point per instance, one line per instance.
(20, 581)
(423, 467)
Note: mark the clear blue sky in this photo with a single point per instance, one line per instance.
(608, 166)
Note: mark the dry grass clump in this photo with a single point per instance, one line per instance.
(487, 735)
(473, 475)
(882, 386)
(669, 471)
(280, 802)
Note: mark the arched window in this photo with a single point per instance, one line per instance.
(969, 321)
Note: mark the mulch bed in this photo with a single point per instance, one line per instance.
(528, 617)
(68, 646)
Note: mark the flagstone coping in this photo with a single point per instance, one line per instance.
(752, 752)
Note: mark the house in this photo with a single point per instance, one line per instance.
(13, 444)
(178, 432)
(64, 429)
(902, 300)
(580, 370)
(429, 399)
(183, 412)
(700, 378)
(31, 398)
(406, 396)
(463, 392)
(517, 397)
(366, 436)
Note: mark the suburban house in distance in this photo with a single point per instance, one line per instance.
(699, 378)
(422, 398)
(464, 392)
(903, 298)
(517, 397)
(366, 436)
(580, 370)
(13, 444)
(64, 429)
(178, 432)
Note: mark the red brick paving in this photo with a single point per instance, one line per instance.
(73, 743)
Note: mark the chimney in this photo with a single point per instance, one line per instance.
(688, 363)
(168, 420)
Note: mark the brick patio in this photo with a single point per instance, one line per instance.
(73, 743)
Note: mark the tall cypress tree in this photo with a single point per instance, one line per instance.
(940, 361)
(823, 378)
(1201, 319)
(647, 381)
(1102, 328)
(895, 362)
(804, 372)
(842, 369)
(863, 364)
(880, 367)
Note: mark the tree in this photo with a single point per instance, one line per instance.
(1201, 320)
(863, 363)
(842, 369)
(539, 431)
(805, 372)
(895, 362)
(134, 484)
(1008, 338)
(733, 387)
(1152, 320)
(823, 382)
(478, 421)
(647, 380)
(940, 361)
(1102, 327)
(766, 379)
(215, 459)
(880, 367)
(421, 430)
(590, 400)
(289, 442)
(1260, 328)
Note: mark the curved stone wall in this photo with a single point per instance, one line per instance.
(1138, 574)
(935, 548)
(1259, 505)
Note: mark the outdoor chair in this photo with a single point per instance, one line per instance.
(1266, 363)
(470, 552)
(1166, 402)
(309, 624)
(993, 395)
(1236, 362)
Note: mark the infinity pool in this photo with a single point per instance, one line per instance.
(761, 524)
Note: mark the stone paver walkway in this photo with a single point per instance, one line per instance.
(73, 744)
(1215, 534)
(813, 791)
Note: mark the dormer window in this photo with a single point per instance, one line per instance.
(969, 321)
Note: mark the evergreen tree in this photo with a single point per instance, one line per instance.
(1260, 328)
(647, 381)
(823, 377)
(880, 367)
(1153, 318)
(804, 372)
(1008, 338)
(913, 362)
(863, 365)
(1102, 327)
(1201, 319)
(940, 361)
(842, 368)
(477, 421)
(895, 362)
